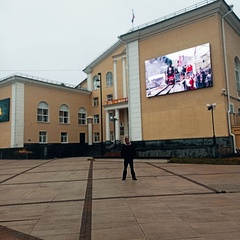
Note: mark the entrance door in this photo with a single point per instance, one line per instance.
(82, 138)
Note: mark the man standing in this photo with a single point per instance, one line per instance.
(128, 153)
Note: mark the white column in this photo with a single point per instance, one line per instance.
(17, 115)
(124, 77)
(89, 82)
(107, 127)
(115, 79)
(117, 125)
(90, 130)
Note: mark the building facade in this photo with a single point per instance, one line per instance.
(41, 119)
(166, 114)
(172, 86)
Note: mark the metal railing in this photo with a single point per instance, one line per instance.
(188, 9)
(39, 79)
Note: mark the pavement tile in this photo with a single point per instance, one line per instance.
(46, 199)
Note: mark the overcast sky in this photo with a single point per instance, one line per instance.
(57, 39)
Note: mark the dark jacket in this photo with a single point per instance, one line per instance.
(128, 152)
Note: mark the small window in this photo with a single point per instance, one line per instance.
(96, 119)
(63, 114)
(82, 116)
(111, 116)
(109, 79)
(95, 82)
(95, 102)
(42, 112)
(109, 97)
(42, 137)
(231, 108)
(96, 137)
(64, 137)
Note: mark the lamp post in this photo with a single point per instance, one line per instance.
(211, 107)
(101, 124)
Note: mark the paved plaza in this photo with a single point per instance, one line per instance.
(85, 198)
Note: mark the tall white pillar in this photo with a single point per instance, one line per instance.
(107, 127)
(124, 77)
(115, 79)
(117, 125)
(90, 130)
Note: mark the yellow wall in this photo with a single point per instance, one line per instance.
(104, 67)
(54, 97)
(184, 115)
(5, 127)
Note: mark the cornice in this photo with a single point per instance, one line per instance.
(25, 80)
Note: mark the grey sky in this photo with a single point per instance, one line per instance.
(39, 36)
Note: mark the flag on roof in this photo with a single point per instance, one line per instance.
(133, 16)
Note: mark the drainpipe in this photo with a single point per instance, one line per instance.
(227, 78)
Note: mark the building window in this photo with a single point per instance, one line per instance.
(95, 82)
(109, 79)
(42, 137)
(96, 137)
(64, 114)
(42, 112)
(82, 116)
(237, 74)
(109, 97)
(64, 137)
(96, 119)
(95, 102)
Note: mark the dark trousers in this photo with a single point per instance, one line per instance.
(130, 162)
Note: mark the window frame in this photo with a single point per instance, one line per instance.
(63, 114)
(96, 137)
(96, 119)
(95, 101)
(109, 79)
(82, 116)
(64, 137)
(42, 137)
(43, 112)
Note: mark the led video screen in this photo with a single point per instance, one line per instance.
(181, 71)
(4, 109)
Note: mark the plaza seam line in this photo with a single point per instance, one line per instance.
(24, 171)
(86, 224)
(188, 179)
(16, 234)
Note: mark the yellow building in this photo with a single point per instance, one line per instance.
(41, 118)
(172, 86)
(166, 114)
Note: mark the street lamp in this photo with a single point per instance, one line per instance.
(101, 124)
(211, 107)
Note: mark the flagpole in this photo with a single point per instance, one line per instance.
(133, 17)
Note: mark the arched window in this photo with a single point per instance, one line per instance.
(95, 82)
(109, 79)
(63, 114)
(82, 116)
(42, 112)
(237, 74)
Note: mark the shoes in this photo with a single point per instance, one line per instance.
(134, 179)
(123, 179)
